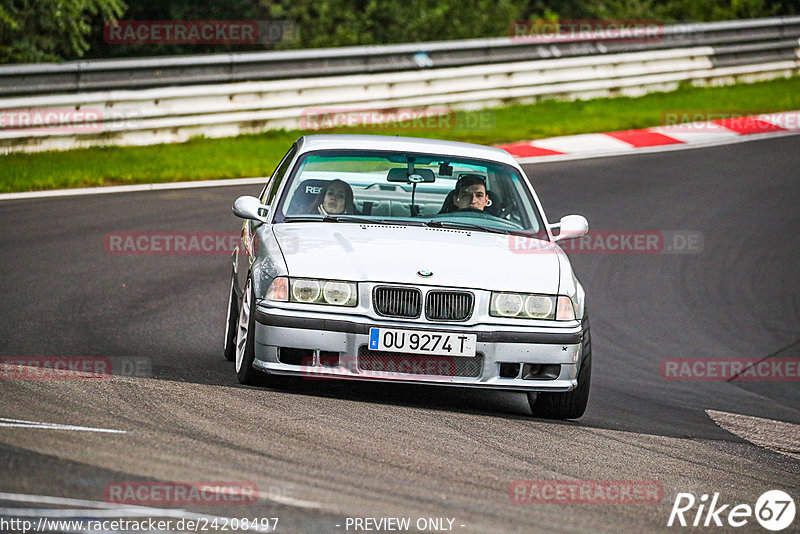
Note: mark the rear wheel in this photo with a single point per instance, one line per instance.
(572, 404)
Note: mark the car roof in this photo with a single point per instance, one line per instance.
(310, 143)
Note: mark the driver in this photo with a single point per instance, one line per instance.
(470, 193)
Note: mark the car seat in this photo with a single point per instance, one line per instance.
(305, 192)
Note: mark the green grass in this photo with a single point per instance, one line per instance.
(257, 155)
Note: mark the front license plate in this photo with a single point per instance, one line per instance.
(421, 342)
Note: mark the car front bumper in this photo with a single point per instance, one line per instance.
(335, 346)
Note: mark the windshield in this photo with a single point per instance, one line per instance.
(410, 189)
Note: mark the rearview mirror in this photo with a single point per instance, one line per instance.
(416, 176)
(571, 226)
(248, 207)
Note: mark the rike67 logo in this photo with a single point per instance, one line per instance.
(774, 510)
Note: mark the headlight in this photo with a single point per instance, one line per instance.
(312, 291)
(506, 304)
(527, 306)
(339, 293)
(539, 307)
(305, 291)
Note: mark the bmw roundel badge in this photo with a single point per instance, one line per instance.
(424, 273)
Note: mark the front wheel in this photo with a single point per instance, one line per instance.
(231, 323)
(245, 338)
(246, 344)
(572, 404)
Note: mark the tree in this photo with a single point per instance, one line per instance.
(178, 10)
(365, 22)
(50, 30)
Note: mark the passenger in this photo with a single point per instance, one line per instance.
(469, 193)
(335, 198)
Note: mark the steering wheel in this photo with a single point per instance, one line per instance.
(506, 223)
(473, 210)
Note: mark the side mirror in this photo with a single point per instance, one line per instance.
(571, 226)
(248, 207)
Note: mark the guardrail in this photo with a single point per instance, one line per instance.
(487, 73)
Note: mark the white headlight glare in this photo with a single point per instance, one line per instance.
(507, 304)
(337, 293)
(305, 290)
(564, 310)
(539, 306)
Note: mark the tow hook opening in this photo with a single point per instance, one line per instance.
(540, 371)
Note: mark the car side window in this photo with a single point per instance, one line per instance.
(277, 177)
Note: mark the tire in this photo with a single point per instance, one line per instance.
(572, 404)
(231, 322)
(245, 338)
(245, 348)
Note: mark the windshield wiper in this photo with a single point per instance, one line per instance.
(465, 226)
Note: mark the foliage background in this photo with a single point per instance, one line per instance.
(57, 30)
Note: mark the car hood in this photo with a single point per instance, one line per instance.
(393, 253)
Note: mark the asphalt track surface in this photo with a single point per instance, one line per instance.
(320, 452)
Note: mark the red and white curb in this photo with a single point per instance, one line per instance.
(656, 139)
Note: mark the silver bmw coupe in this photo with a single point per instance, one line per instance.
(408, 260)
